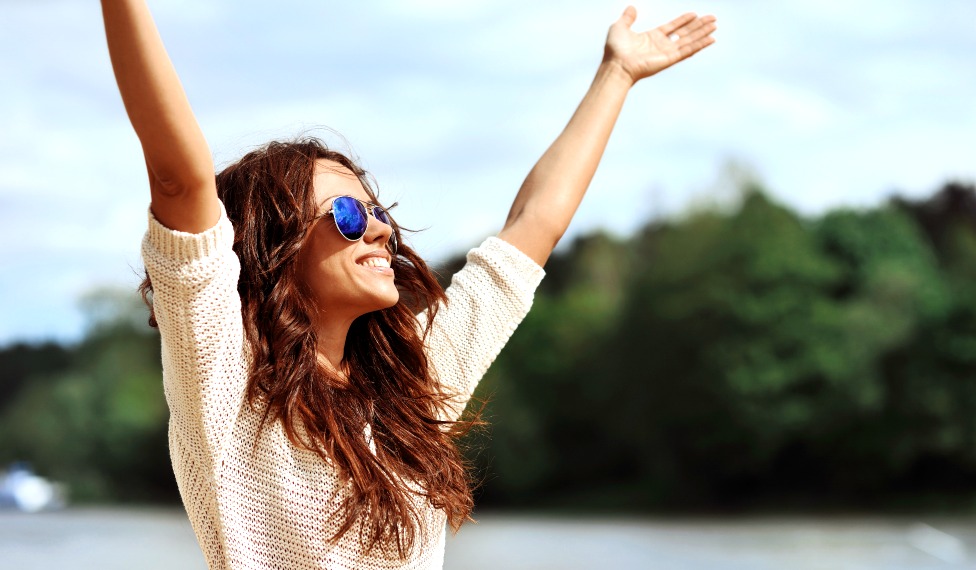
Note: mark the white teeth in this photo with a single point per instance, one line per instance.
(375, 262)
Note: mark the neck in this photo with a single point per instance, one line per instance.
(331, 335)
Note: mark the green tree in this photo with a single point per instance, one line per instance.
(99, 424)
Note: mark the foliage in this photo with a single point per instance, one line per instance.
(98, 421)
(745, 357)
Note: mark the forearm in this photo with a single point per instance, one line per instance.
(555, 186)
(177, 156)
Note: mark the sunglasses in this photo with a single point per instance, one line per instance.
(351, 219)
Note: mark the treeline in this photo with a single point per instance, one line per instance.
(750, 358)
(92, 415)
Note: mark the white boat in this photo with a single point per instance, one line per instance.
(22, 489)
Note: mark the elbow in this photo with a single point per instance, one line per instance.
(177, 189)
(174, 183)
(545, 228)
(175, 173)
(535, 236)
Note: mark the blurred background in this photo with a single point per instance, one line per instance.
(756, 344)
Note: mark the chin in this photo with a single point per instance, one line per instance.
(393, 300)
(387, 300)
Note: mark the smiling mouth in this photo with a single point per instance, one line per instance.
(374, 262)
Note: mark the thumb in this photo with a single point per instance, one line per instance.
(629, 16)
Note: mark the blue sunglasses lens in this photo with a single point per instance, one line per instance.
(350, 217)
(381, 215)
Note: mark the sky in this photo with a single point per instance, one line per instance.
(449, 104)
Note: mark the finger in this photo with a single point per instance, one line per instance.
(691, 26)
(628, 17)
(673, 25)
(692, 48)
(697, 34)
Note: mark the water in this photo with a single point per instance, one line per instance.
(151, 539)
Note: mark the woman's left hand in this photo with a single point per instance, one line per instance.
(641, 55)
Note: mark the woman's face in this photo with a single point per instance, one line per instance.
(346, 278)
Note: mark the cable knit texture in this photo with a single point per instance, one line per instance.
(263, 503)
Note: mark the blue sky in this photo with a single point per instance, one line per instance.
(450, 103)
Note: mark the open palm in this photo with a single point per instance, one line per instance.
(644, 54)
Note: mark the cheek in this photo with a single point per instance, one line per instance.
(315, 261)
(320, 269)
(322, 248)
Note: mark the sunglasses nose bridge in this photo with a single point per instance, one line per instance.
(371, 211)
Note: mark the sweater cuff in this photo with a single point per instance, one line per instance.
(187, 247)
(498, 249)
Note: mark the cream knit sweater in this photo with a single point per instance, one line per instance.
(267, 504)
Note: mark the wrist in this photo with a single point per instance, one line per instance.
(611, 70)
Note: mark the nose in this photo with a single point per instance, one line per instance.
(377, 231)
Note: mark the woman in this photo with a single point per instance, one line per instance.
(314, 370)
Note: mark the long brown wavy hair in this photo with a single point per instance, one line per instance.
(269, 198)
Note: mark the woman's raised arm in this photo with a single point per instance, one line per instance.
(181, 172)
(552, 192)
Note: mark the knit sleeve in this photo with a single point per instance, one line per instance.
(198, 309)
(486, 301)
